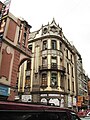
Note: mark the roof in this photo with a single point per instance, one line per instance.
(29, 106)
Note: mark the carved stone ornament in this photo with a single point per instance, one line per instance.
(53, 29)
(8, 49)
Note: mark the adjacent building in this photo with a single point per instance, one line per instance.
(81, 82)
(14, 34)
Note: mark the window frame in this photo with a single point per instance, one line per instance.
(55, 81)
(44, 79)
(54, 44)
(44, 47)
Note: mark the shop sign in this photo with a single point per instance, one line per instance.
(4, 91)
(79, 103)
(62, 103)
(56, 95)
(42, 95)
(43, 100)
(74, 101)
(55, 101)
(80, 98)
(3, 17)
(17, 97)
(69, 101)
(26, 98)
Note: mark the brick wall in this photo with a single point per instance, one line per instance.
(14, 74)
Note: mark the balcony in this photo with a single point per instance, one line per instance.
(52, 53)
(52, 66)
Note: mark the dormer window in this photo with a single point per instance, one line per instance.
(45, 30)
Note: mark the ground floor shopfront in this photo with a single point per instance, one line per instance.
(58, 99)
(4, 92)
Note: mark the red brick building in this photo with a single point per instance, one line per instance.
(13, 52)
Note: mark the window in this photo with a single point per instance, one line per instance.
(30, 46)
(44, 79)
(25, 28)
(24, 39)
(61, 62)
(28, 65)
(27, 81)
(45, 45)
(63, 116)
(12, 27)
(53, 43)
(53, 62)
(67, 53)
(19, 36)
(74, 116)
(68, 68)
(68, 84)
(44, 61)
(60, 46)
(71, 59)
(72, 71)
(53, 79)
(62, 81)
(35, 115)
(73, 86)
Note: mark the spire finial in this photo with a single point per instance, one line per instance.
(42, 25)
(53, 19)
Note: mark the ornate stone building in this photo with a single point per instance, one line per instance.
(52, 72)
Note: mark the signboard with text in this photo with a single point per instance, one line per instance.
(4, 91)
(3, 17)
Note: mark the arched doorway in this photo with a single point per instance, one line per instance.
(23, 79)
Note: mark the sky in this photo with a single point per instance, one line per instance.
(72, 15)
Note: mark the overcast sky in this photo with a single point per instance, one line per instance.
(72, 15)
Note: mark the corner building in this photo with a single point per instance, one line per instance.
(52, 67)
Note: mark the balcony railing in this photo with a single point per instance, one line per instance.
(52, 66)
(52, 53)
